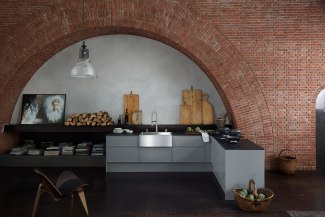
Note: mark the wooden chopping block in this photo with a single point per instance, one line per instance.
(185, 114)
(207, 111)
(131, 102)
(187, 97)
(197, 95)
(196, 112)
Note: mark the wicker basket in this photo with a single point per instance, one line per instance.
(287, 164)
(254, 206)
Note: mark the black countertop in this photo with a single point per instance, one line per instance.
(123, 134)
(244, 144)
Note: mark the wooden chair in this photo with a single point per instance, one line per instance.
(66, 185)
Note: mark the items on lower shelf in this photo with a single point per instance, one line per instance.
(83, 148)
(20, 150)
(52, 151)
(67, 148)
(98, 149)
(48, 148)
(35, 152)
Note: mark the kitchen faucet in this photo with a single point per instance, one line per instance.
(154, 121)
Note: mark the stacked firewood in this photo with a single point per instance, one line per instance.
(87, 119)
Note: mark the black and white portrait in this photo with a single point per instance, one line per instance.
(43, 109)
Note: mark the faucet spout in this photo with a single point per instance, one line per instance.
(154, 121)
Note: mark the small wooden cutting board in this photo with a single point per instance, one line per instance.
(131, 103)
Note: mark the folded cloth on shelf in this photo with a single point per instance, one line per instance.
(205, 136)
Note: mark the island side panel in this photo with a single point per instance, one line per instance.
(240, 167)
(218, 162)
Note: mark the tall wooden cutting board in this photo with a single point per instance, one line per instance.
(131, 102)
(197, 95)
(207, 110)
(185, 114)
(191, 108)
(187, 97)
(196, 112)
(195, 108)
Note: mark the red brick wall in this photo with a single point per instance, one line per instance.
(264, 57)
(283, 43)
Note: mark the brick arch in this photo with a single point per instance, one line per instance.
(44, 34)
(314, 119)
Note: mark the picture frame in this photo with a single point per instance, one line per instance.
(43, 109)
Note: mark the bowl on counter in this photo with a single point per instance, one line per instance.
(234, 132)
(118, 130)
(224, 130)
(128, 131)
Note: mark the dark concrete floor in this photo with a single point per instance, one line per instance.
(154, 194)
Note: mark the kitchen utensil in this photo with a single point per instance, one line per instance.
(196, 112)
(234, 132)
(187, 97)
(131, 103)
(220, 122)
(195, 108)
(185, 114)
(207, 111)
(136, 117)
(118, 130)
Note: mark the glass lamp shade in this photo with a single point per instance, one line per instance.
(83, 69)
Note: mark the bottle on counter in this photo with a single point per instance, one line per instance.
(126, 120)
(119, 121)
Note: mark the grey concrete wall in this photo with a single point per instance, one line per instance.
(124, 63)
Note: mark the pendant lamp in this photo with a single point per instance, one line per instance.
(83, 68)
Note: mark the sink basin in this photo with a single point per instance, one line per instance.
(155, 139)
(156, 133)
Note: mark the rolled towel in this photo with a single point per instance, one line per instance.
(205, 136)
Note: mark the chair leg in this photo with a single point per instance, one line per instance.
(71, 204)
(82, 197)
(38, 195)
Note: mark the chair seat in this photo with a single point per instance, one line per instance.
(68, 182)
(69, 187)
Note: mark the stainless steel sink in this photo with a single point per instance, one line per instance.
(155, 139)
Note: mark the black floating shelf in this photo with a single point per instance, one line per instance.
(7, 160)
(60, 128)
(55, 128)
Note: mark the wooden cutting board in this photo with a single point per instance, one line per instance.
(185, 114)
(207, 111)
(187, 97)
(191, 95)
(196, 112)
(197, 95)
(195, 108)
(131, 102)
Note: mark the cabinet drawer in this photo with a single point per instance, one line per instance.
(155, 155)
(188, 141)
(122, 154)
(122, 141)
(188, 154)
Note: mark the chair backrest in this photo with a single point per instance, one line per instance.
(48, 183)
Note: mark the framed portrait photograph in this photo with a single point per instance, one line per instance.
(43, 109)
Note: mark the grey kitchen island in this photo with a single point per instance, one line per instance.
(232, 164)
